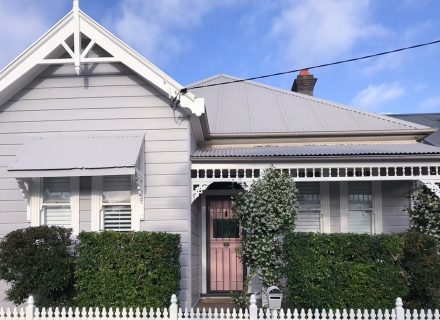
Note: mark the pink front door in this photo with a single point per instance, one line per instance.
(226, 269)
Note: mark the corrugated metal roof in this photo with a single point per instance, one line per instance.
(427, 119)
(54, 155)
(315, 150)
(250, 107)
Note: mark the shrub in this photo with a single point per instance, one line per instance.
(425, 213)
(344, 270)
(127, 269)
(265, 212)
(38, 261)
(421, 261)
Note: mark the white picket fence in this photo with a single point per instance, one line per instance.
(175, 313)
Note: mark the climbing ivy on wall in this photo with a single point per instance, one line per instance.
(425, 213)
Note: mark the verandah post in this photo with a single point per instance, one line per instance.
(400, 312)
(253, 310)
(173, 308)
(30, 308)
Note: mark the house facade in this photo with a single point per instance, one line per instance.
(93, 137)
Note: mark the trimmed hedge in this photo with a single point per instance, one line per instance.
(421, 261)
(344, 270)
(361, 271)
(127, 269)
(38, 261)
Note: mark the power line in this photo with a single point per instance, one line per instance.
(184, 90)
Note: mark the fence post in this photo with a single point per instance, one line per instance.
(173, 308)
(400, 312)
(253, 310)
(30, 308)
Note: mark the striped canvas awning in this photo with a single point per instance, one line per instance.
(91, 155)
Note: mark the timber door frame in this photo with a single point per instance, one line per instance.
(208, 247)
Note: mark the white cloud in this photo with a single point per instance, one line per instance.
(318, 31)
(431, 104)
(374, 96)
(21, 23)
(159, 29)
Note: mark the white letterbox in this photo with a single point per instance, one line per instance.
(275, 297)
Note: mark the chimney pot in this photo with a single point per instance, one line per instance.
(304, 83)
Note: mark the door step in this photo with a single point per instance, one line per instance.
(216, 302)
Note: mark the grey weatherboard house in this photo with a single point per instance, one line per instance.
(90, 139)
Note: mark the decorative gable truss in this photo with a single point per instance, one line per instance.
(79, 40)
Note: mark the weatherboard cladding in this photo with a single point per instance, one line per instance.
(315, 150)
(250, 107)
(109, 101)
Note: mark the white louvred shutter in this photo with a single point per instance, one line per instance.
(360, 207)
(117, 218)
(117, 211)
(309, 200)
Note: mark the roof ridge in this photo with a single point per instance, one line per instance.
(219, 75)
(414, 114)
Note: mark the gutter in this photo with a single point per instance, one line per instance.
(281, 159)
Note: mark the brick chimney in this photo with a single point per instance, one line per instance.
(304, 83)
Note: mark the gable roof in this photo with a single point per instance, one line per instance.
(35, 59)
(251, 109)
(427, 119)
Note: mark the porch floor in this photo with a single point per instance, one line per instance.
(216, 302)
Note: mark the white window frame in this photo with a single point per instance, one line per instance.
(324, 210)
(325, 206)
(37, 206)
(376, 215)
(97, 219)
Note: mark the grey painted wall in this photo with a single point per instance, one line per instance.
(109, 99)
(85, 197)
(335, 221)
(395, 199)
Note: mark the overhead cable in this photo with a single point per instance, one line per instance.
(184, 90)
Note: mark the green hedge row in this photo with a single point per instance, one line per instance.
(361, 271)
(127, 269)
(38, 261)
(106, 269)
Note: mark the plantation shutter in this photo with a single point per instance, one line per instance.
(360, 207)
(116, 198)
(309, 200)
(56, 202)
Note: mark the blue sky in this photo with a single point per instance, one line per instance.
(195, 39)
